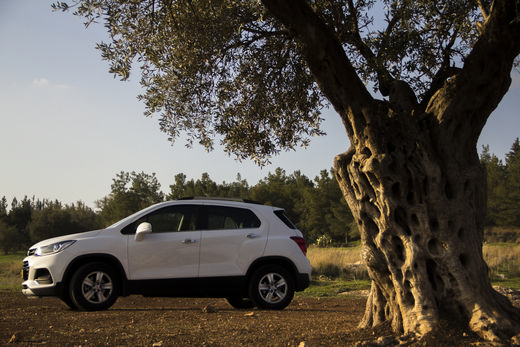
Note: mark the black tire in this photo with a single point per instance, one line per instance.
(271, 287)
(94, 287)
(68, 300)
(240, 303)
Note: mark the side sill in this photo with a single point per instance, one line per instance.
(215, 287)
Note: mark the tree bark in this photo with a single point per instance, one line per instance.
(414, 182)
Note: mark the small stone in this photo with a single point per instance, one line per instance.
(515, 340)
(209, 309)
(157, 344)
(15, 338)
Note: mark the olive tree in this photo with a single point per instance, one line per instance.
(254, 75)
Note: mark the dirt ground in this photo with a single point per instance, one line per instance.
(139, 321)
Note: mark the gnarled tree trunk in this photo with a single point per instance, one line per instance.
(413, 180)
(422, 216)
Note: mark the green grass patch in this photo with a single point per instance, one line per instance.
(9, 258)
(10, 272)
(333, 288)
(513, 282)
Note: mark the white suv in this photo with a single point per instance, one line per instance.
(249, 253)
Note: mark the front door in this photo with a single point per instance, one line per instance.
(172, 249)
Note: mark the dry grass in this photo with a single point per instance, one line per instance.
(344, 263)
(503, 260)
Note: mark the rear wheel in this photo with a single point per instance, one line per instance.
(94, 286)
(271, 287)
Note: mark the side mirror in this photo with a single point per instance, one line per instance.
(142, 229)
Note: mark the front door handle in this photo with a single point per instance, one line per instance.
(253, 236)
(189, 241)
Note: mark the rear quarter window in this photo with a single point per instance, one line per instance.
(281, 215)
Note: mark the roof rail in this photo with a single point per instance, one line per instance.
(220, 198)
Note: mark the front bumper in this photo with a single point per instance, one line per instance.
(37, 290)
(42, 276)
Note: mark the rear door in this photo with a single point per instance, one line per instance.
(232, 239)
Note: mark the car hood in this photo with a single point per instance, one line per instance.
(78, 236)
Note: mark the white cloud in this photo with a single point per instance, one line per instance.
(40, 82)
(45, 83)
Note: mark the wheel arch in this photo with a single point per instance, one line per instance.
(273, 260)
(108, 259)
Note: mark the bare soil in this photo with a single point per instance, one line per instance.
(140, 321)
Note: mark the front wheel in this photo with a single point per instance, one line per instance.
(68, 300)
(240, 303)
(271, 287)
(94, 286)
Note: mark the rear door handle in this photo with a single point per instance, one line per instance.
(253, 236)
(189, 241)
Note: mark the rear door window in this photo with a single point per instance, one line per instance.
(225, 217)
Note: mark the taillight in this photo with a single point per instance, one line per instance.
(300, 241)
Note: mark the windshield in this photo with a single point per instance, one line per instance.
(129, 218)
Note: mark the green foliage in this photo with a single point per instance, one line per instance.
(324, 241)
(230, 70)
(56, 220)
(503, 187)
(9, 237)
(30, 221)
(130, 192)
(212, 68)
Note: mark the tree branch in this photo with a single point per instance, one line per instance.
(486, 74)
(325, 57)
(444, 72)
(484, 9)
(383, 75)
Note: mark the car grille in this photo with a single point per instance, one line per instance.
(25, 270)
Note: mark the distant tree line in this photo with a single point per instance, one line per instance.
(316, 206)
(503, 180)
(30, 220)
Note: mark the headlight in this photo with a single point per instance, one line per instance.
(53, 248)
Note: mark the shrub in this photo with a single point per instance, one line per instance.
(324, 241)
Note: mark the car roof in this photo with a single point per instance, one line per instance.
(217, 198)
(234, 202)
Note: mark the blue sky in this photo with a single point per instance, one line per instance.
(67, 127)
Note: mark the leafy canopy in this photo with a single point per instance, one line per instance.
(226, 70)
